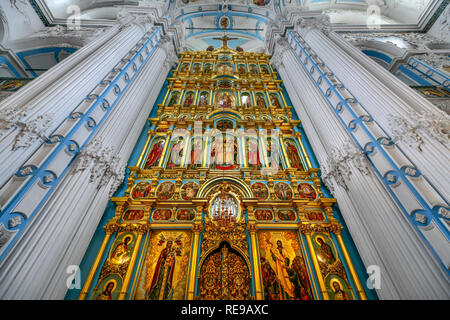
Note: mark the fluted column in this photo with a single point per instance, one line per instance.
(379, 228)
(29, 116)
(35, 268)
(416, 125)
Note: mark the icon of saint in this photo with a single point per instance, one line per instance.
(121, 252)
(293, 156)
(161, 285)
(325, 253)
(339, 294)
(107, 293)
(155, 154)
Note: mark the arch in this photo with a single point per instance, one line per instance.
(208, 186)
(217, 247)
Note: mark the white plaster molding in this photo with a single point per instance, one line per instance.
(103, 163)
(167, 45)
(444, 105)
(281, 48)
(340, 162)
(409, 130)
(125, 19)
(322, 23)
(421, 41)
(29, 130)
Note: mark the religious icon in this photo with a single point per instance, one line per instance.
(189, 190)
(106, 294)
(162, 214)
(253, 68)
(208, 67)
(141, 190)
(196, 68)
(293, 155)
(273, 153)
(283, 191)
(241, 69)
(133, 215)
(196, 154)
(165, 190)
(224, 100)
(306, 191)
(286, 215)
(260, 3)
(176, 154)
(188, 100)
(253, 159)
(224, 22)
(165, 267)
(185, 214)
(274, 101)
(184, 68)
(260, 101)
(203, 101)
(173, 99)
(324, 251)
(264, 69)
(216, 152)
(260, 191)
(224, 68)
(264, 214)
(338, 293)
(155, 154)
(245, 100)
(122, 251)
(283, 267)
(315, 215)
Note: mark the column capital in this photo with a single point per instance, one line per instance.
(166, 43)
(280, 50)
(126, 19)
(305, 24)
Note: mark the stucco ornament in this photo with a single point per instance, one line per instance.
(340, 164)
(410, 131)
(29, 130)
(104, 164)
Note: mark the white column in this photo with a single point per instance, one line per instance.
(416, 125)
(36, 110)
(380, 230)
(63, 227)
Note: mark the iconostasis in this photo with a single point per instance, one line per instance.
(224, 202)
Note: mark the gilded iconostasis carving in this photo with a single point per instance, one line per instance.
(215, 208)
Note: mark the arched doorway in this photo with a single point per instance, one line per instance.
(224, 275)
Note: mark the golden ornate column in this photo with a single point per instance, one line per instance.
(196, 229)
(141, 229)
(110, 228)
(337, 229)
(256, 268)
(307, 230)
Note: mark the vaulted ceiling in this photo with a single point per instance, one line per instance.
(204, 20)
